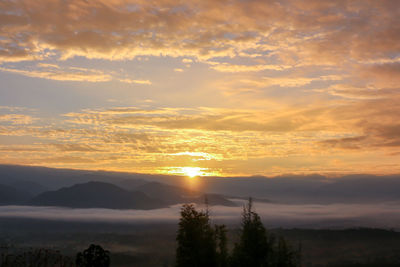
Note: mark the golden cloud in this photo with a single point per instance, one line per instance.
(146, 82)
(309, 31)
(225, 67)
(17, 118)
(74, 74)
(232, 141)
(87, 75)
(313, 78)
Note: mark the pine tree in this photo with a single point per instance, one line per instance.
(254, 248)
(257, 248)
(200, 245)
(222, 246)
(196, 239)
(285, 256)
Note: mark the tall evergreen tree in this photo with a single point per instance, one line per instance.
(222, 245)
(285, 256)
(254, 248)
(257, 248)
(196, 239)
(200, 245)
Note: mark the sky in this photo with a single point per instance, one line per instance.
(201, 87)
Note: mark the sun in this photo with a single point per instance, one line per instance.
(192, 172)
(189, 172)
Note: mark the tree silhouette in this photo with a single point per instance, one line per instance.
(285, 256)
(94, 256)
(36, 258)
(222, 245)
(197, 245)
(200, 245)
(257, 247)
(254, 248)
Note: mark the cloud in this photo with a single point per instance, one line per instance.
(225, 67)
(296, 81)
(313, 83)
(273, 215)
(359, 92)
(130, 81)
(346, 142)
(196, 29)
(373, 122)
(382, 75)
(74, 74)
(220, 140)
(17, 119)
(68, 160)
(48, 65)
(70, 74)
(200, 119)
(21, 148)
(74, 147)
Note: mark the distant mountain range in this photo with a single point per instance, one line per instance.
(12, 196)
(105, 195)
(28, 182)
(175, 195)
(122, 194)
(97, 195)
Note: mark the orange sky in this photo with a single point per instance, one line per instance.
(197, 86)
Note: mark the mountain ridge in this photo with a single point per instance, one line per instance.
(97, 195)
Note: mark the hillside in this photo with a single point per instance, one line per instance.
(97, 195)
(175, 195)
(11, 196)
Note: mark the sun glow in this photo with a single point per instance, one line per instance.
(192, 172)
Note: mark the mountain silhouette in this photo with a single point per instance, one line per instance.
(97, 195)
(28, 186)
(174, 195)
(12, 196)
(168, 193)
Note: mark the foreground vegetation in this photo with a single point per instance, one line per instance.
(200, 244)
(150, 245)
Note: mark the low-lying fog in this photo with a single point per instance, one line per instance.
(382, 215)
